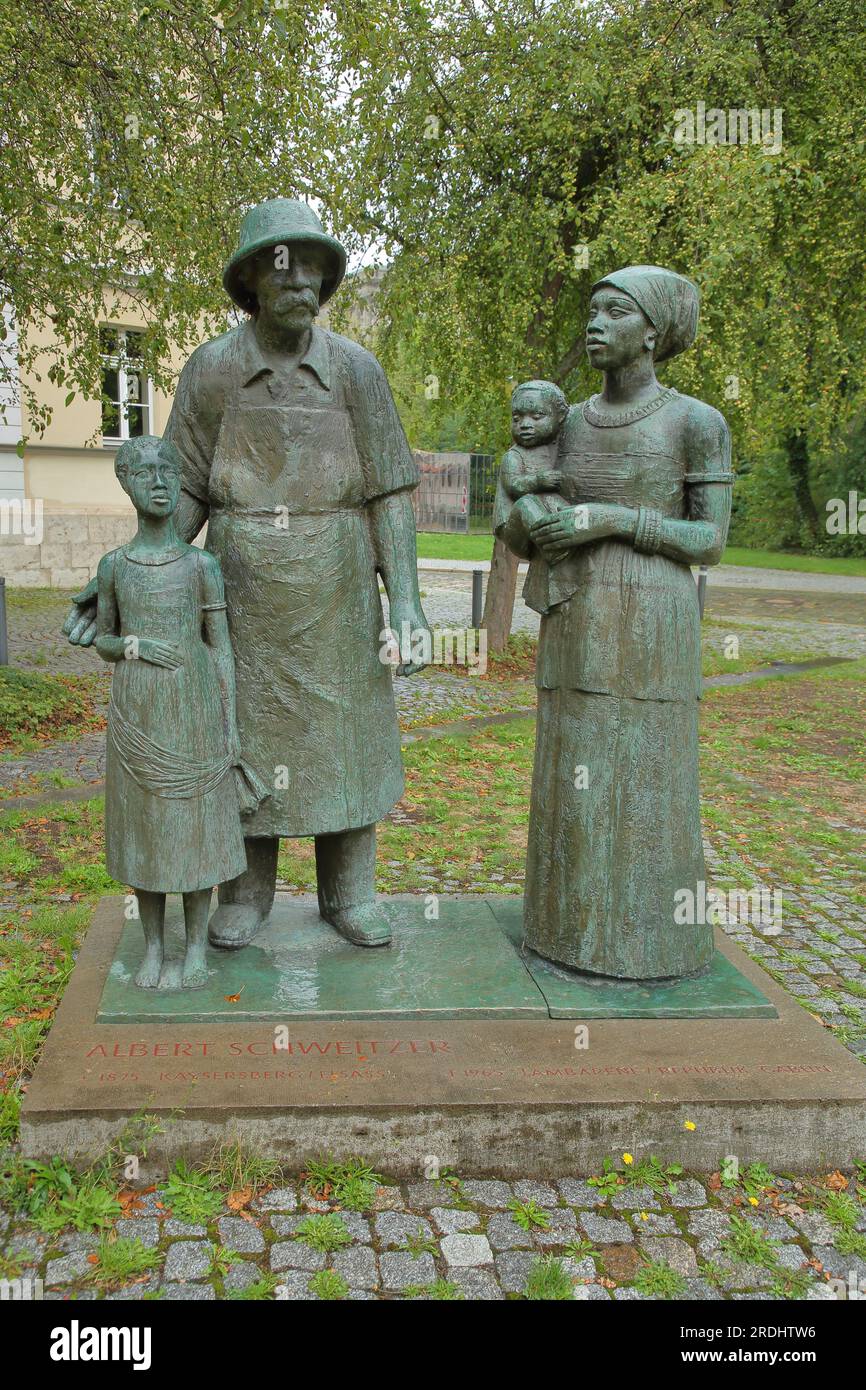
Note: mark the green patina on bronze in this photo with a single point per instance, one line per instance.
(466, 963)
(174, 782)
(292, 451)
(645, 473)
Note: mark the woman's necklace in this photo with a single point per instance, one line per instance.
(625, 417)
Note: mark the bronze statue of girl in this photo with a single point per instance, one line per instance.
(172, 802)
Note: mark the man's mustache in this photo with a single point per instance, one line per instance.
(298, 297)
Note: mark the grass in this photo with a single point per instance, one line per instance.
(749, 1245)
(441, 1291)
(548, 1280)
(328, 1285)
(118, 1260)
(528, 1214)
(655, 1277)
(323, 1232)
(240, 1169)
(419, 1244)
(191, 1195)
(434, 545)
(351, 1184)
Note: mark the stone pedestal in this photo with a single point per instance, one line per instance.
(451, 1043)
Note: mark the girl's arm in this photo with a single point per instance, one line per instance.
(216, 631)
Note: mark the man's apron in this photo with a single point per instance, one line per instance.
(315, 704)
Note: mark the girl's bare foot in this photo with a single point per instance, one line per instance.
(150, 969)
(194, 968)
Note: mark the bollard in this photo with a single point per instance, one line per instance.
(702, 588)
(4, 641)
(477, 597)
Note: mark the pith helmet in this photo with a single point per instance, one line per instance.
(273, 223)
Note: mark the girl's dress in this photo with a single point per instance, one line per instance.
(172, 820)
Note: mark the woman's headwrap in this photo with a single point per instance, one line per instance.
(670, 302)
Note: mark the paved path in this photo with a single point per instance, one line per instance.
(462, 1241)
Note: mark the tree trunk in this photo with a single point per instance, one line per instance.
(797, 450)
(499, 599)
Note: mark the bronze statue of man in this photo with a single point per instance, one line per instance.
(293, 452)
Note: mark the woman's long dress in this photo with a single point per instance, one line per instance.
(172, 823)
(614, 832)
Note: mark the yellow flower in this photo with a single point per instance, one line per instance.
(753, 1202)
(628, 1158)
(690, 1124)
(644, 1216)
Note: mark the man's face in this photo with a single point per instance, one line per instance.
(533, 419)
(617, 331)
(287, 280)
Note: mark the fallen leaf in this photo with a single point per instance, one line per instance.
(790, 1209)
(837, 1181)
(239, 1199)
(233, 998)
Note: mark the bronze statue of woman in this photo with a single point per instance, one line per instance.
(615, 831)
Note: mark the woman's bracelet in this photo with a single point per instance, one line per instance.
(647, 537)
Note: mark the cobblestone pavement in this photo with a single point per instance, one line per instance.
(481, 1240)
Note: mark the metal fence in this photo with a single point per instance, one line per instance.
(455, 492)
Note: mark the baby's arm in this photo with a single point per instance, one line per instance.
(519, 481)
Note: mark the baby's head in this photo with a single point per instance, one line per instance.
(148, 470)
(538, 409)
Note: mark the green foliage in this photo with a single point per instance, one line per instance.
(221, 1261)
(791, 1283)
(661, 1179)
(656, 1277)
(34, 706)
(89, 1207)
(10, 1107)
(262, 1290)
(609, 1179)
(419, 1244)
(841, 1210)
(328, 1285)
(749, 1245)
(323, 1232)
(351, 1184)
(528, 1214)
(191, 1195)
(548, 1280)
(119, 1259)
(236, 1166)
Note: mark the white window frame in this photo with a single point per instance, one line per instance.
(118, 362)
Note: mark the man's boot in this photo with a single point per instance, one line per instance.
(245, 901)
(346, 882)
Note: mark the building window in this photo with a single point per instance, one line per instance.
(125, 387)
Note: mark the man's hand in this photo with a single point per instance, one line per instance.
(80, 624)
(407, 620)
